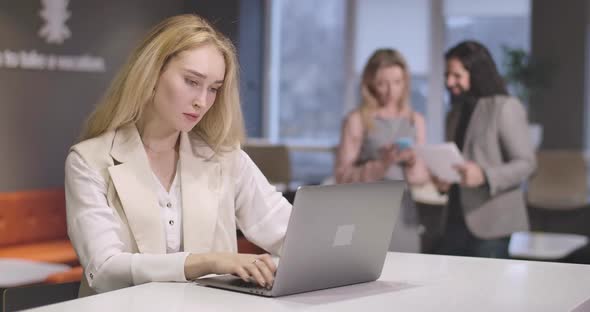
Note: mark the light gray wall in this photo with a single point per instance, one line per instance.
(560, 37)
(41, 112)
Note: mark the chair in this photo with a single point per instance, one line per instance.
(560, 182)
(20, 298)
(33, 232)
(274, 162)
(33, 226)
(557, 198)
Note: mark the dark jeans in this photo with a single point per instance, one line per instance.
(457, 239)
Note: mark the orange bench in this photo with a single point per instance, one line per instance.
(33, 227)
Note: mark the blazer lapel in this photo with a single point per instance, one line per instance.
(134, 183)
(200, 176)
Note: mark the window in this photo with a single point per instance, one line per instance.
(490, 26)
(310, 90)
(307, 81)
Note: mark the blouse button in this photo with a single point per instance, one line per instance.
(168, 205)
(171, 222)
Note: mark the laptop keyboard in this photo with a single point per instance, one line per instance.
(244, 284)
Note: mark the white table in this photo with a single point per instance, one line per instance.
(410, 282)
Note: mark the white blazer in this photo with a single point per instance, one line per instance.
(117, 229)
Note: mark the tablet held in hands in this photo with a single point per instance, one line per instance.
(441, 160)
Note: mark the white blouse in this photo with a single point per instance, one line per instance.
(170, 203)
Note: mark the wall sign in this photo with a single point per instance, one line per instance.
(54, 31)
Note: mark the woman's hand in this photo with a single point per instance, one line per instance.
(406, 157)
(255, 268)
(471, 174)
(441, 185)
(389, 155)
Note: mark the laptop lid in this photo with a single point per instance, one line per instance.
(337, 235)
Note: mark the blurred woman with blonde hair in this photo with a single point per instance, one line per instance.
(368, 150)
(376, 138)
(158, 185)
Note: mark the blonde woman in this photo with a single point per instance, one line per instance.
(158, 185)
(367, 150)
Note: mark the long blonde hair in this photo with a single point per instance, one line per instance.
(133, 87)
(380, 59)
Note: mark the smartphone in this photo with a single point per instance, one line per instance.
(404, 143)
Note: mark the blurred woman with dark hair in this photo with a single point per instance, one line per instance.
(490, 128)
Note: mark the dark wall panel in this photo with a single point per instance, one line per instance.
(41, 111)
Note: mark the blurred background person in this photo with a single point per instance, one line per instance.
(490, 128)
(368, 151)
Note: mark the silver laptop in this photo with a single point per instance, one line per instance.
(337, 235)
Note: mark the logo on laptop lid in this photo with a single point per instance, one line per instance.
(343, 235)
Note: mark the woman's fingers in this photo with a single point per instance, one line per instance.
(408, 157)
(258, 269)
(269, 263)
(255, 273)
(266, 272)
(442, 186)
(243, 274)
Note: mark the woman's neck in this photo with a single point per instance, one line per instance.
(156, 137)
(390, 110)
